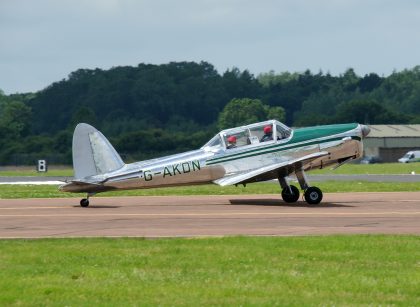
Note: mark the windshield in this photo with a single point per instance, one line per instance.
(283, 132)
(214, 143)
(409, 156)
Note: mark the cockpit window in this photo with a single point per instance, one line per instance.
(283, 132)
(236, 138)
(261, 133)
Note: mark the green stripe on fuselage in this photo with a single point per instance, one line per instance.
(309, 133)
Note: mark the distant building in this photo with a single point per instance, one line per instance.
(391, 142)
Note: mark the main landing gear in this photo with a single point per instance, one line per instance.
(290, 193)
(85, 201)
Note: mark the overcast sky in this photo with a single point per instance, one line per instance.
(43, 41)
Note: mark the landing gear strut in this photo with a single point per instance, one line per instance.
(290, 193)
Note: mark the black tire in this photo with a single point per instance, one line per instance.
(84, 202)
(290, 197)
(313, 195)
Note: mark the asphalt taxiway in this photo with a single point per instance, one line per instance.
(187, 216)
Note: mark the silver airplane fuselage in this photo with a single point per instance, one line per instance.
(289, 150)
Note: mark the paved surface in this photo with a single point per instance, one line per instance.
(169, 216)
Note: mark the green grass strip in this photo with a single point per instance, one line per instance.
(67, 172)
(49, 191)
(232, 271)
(372, 169)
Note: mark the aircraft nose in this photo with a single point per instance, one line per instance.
(365, 130)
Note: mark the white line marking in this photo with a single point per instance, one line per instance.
(33, 183)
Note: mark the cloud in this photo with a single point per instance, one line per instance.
(43, 41)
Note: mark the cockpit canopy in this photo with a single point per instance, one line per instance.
(250, 135)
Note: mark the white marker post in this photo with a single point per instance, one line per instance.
(42, 166)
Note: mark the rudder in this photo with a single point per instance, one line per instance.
(93, 154)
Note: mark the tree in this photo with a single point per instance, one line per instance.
(368, 112)
(270, 78)
(246, 111)
(369, 82)
(350, 80)
(275, 113)
(14, 120)
(151, 110)
(83, 115)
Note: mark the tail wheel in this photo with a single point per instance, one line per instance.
(313, 195)
(84, 202)
(290, 195)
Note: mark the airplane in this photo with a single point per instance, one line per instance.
(267, 150)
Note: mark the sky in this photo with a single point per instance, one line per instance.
(43, 41)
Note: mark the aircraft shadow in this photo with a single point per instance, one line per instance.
(281, 203)
(98, 207)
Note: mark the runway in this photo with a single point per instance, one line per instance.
(195, 216)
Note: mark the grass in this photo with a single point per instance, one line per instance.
(52, 172)
(233, 271)
(372, 169)
(347, 169)
(50, 191)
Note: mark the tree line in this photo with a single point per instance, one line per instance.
(151, 110)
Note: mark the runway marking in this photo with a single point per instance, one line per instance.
(33, 183)
(26, 208)
(217, 214)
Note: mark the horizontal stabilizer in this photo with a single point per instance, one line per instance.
(83, 186)
(79, 182)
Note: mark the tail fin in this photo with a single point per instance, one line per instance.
(92, 153)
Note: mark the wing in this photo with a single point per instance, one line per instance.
(271, 171)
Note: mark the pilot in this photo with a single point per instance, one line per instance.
(268, 134)
(231, 142)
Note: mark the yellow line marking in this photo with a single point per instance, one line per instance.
(215, 214)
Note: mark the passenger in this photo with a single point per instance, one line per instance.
(231, 142)
(268, 134)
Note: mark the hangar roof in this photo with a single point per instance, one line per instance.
(382, 131)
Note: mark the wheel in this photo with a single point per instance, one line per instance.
(290, 198)
(313, 195)
(84, 202)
